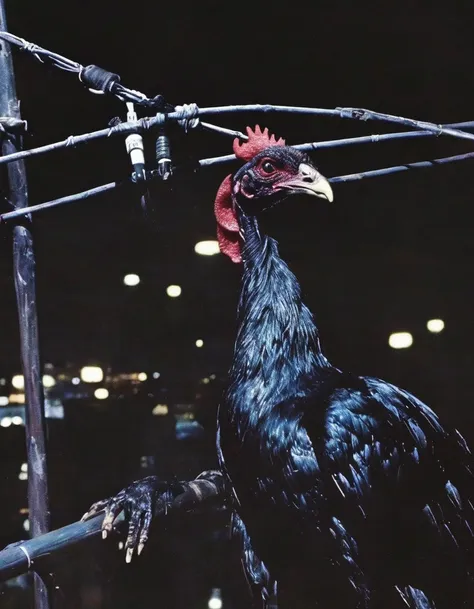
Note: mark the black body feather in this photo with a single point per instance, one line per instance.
(347, 489)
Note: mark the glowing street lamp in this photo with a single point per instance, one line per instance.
(18, 382)
(207, 248)
(101, 393)
(173, 291)
(131, 280)
(435, 325)
(215, 600)
(92, 374)
(400, 340)
(48, 381)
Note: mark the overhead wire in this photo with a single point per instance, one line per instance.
(188, 116)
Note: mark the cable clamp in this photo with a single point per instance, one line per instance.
(135, 147)
(12, 126)
(25, 552)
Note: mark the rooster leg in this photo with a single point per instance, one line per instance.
(146, 499)
(258, 577)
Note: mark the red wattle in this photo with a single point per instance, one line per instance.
(223, 208)
(229, 244)
(227, 223)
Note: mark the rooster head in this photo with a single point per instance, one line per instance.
(272, 172)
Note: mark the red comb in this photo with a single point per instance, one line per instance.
(227, 223)
(258, 141)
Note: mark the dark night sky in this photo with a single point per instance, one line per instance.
(391, 253)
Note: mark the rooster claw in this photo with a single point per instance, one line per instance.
(145, 499)
(138, 502)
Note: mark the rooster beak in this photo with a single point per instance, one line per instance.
(309, 181)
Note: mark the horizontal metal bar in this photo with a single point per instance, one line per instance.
(375, 173)
(55, 202)
(27, 555)
(377, 138)
(147, 123)
(227, 158)
(69, 142)
(361, 114)
(347, 141)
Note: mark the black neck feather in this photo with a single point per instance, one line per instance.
(277, 350)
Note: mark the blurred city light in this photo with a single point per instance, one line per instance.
(199, 342)
(215, 600)
(16, 398)
(48, 381)
(17, 420)
(207, 248)
(92, 374)
(101, 393)
(26, 525)
(131, 279)
(76, 380)
(18, 381)
(400, 340)
(156, 375)
(3, 381)
(5, 422)
(435, 325)
(23, 476)
(4, 401)
(173, 291)
(160, 410)
(24, 467)
(142, 376)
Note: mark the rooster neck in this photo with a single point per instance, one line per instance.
(277, 351)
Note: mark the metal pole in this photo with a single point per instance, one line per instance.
(24, 274)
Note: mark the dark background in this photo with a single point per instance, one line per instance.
(391, 253)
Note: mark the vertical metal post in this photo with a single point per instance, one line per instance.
(24, 275)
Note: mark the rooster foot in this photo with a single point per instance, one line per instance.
(145, 499)
(140, 501)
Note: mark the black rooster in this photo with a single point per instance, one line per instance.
(347, 491)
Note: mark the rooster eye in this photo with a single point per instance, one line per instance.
(268, 167)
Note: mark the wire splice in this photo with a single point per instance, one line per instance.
(98, 79)
(190, 114)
